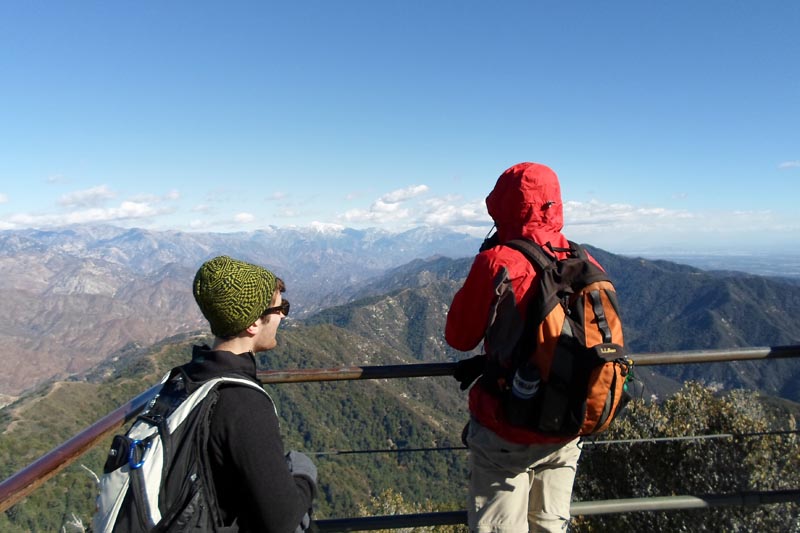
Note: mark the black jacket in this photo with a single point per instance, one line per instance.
(248, 463)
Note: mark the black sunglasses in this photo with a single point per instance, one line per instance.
(282, 309)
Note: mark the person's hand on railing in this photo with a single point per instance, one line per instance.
(300, 465)
(468, 370)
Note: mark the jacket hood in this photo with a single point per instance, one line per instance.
(526, 202)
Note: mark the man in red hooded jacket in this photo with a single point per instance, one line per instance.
(520, 480)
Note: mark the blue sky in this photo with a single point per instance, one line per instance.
(672, 125)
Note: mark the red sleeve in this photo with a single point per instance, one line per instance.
(469, 311)
(594, 261)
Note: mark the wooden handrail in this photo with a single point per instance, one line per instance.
(21, 484)
(18, 486)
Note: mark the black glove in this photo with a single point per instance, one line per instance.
(468, 370)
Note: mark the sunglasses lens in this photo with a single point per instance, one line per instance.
(283, 309)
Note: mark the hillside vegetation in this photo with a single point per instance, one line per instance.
(399, 318)
(331, 420)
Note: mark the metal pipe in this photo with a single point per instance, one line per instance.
(711, 356)
(369, 523)
(629, 505)
(19, 485)
(446, 369)
(671, 503)
(357, 373)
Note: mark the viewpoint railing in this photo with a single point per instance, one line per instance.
(21, 484)
(626, 505)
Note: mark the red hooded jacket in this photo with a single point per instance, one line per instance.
(525, 202)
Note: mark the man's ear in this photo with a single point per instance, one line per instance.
(254, 328)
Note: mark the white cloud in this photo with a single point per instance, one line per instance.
(379, 214)
(171, 196)
(145, 198)
(125, 211)
(789, 164)
(389, 209)
(401, 195)
(451, 211)
(199, 224)
(381, 207)
(83, 207)
(241, 221)
(133, 210)
(622, 226)
(613, 226)
(88, 197)
(594, 213)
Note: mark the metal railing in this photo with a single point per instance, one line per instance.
(21, 484)
(626, 505)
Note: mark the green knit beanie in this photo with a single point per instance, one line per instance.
(232, 294)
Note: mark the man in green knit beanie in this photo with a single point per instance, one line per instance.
(259, 487)
(224, 467)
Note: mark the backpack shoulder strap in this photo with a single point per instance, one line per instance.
(203, 398)
(199, 393)
(533, 251)
(579, 250)
(245, 382)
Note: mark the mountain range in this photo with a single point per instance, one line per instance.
(73, 296)
(108, 305)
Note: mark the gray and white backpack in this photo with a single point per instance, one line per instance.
(157, 476)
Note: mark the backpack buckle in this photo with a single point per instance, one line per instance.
(137, 444)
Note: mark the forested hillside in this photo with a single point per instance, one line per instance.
(336, 423)
(325, 420)
(667, 307)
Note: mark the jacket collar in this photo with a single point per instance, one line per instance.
(207, 363)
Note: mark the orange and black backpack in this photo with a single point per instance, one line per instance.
(568, 371)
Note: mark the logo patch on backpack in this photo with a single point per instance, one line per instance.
(566, 374)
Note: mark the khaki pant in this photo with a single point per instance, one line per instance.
(516, 488)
